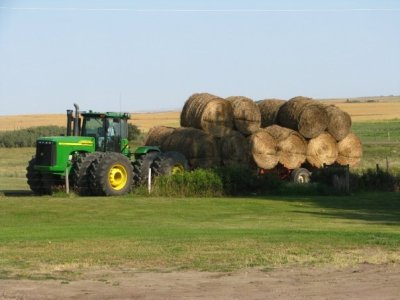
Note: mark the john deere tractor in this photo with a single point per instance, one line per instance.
(96, 157)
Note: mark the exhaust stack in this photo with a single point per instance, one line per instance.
(70, 118)
(76, 120)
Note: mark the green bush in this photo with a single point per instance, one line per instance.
(241, 181)
(229, 181)
(238, 180)
(368, 180)
(198, 183)
(27, 137)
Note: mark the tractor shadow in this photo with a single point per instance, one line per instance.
(16, 193)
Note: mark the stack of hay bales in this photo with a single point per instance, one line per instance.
(324, 127)
(239, 131)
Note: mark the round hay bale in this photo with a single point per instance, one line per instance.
(157, 135)
(291, 146)
(246, 114)
(350, 150)
(304, 115)
(263, 149)
(269, 109)
(234, 149)
(322, 150)
(208, 112)
(200, 148)
(339, 122)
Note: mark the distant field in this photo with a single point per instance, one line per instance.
(387, 108)
(143, 120)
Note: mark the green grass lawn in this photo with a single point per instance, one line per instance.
(381, 144)
(57, 237)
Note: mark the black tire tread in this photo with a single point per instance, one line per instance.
(98, 174)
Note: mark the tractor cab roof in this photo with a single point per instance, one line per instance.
(115, 115)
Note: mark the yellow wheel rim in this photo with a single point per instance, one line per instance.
(117, 177)
(177, 169)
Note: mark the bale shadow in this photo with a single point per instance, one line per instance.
(381, 208)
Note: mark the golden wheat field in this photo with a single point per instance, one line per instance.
(362, 109)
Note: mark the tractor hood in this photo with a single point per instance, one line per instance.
(53, 154)
(69, 140)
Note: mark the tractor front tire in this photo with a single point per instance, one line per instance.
(39, 184)
(111, 175)
(169, 163)
(80, 173)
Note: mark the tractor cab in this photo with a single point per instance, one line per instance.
(110, 129)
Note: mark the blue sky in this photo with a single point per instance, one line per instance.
(152, 55)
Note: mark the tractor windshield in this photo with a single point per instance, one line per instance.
(108, 132)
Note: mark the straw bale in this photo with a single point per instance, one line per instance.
(269, 109)
(339, 122)
(322, 150)
(208, 112)
(196, 145)
(263, 149)
(291, 146)
(246, 114)
(157, 135)
(304, 115)
(234, 149)
(350, 150)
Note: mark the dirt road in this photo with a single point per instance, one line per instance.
(360, 282)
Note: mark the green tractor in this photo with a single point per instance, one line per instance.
(94, 157)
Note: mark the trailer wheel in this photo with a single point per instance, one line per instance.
(141, 167)
(39, 184)
(80, 173)
(301, 176)
(169, 163)
(111, 175)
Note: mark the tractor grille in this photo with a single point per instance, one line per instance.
(46, 153)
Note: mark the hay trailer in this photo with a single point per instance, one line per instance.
(94, 157)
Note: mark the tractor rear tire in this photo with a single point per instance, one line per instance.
(80, 173)
(111, 175)
(39, 184)
(169, 163)
(141, 167)
(301, 176)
